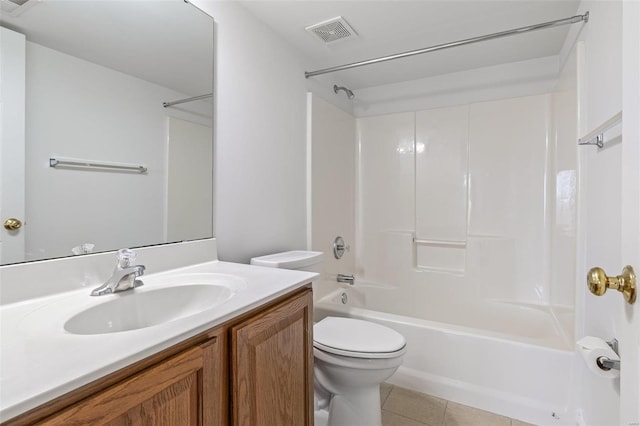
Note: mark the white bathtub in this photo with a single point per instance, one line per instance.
(508, 359)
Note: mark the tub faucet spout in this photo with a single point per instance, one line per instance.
(342, 278)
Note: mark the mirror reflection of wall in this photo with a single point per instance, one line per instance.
(97, 94)
(190, 180)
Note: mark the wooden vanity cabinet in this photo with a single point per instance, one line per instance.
(179, 391)
(272, 366)
(254, 370)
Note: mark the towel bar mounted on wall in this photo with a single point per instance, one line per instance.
(596, 136)
(73, 163)
(182, 101)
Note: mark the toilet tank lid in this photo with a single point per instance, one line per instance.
(289, 259)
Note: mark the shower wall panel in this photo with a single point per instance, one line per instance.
(563, 186)
(508, 174)
(385, 188)
(332, 158)
(442, 140)
(468, 201)
(442, 144)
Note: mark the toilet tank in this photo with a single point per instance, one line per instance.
(300, 260)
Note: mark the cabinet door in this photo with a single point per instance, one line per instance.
(272, 366)
(179, 391)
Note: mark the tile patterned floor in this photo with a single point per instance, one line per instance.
(402, 407)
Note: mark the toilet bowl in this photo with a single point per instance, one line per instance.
(351, 357)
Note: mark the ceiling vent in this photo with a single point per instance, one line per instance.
(332, 30)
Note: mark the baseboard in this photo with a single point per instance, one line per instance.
(524, 409)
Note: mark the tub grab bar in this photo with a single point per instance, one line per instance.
(442, 243)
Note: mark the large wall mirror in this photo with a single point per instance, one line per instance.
(105, 163)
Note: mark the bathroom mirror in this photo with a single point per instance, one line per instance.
(96, 76)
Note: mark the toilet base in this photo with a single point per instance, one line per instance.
(321, 417)
(359, 407)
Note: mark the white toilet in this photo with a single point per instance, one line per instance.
(351, 357)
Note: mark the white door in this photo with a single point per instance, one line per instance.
(610, 216)
(12, 143)
(629, 318)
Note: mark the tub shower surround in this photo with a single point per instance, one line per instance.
(464, 243)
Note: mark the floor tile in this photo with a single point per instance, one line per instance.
(515, 422)
(385, 389)
(461, 415)
(416, 406)
(391, 419)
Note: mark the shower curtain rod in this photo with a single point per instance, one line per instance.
(572, 20)
(181, 101)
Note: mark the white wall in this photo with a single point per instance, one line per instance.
(124, 123)
(260, 136)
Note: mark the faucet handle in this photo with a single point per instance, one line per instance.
(126, 257)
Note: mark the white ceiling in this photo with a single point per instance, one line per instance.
(167, 42)
(394, 26)
(171, 35)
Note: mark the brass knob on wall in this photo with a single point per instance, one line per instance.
(625, 283)
(12, 224)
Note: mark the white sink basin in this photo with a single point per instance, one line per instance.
(148, 306)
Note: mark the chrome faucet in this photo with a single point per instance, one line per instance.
(342, 278)
(124, 275)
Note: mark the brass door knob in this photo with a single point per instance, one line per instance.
(12, 224)
(625, 283)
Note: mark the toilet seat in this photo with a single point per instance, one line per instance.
(357, 339)
(364, 355)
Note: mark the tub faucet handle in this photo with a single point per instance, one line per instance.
(339, 247)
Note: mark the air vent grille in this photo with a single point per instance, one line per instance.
(332, 30)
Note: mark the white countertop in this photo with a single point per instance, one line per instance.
(40, 361)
